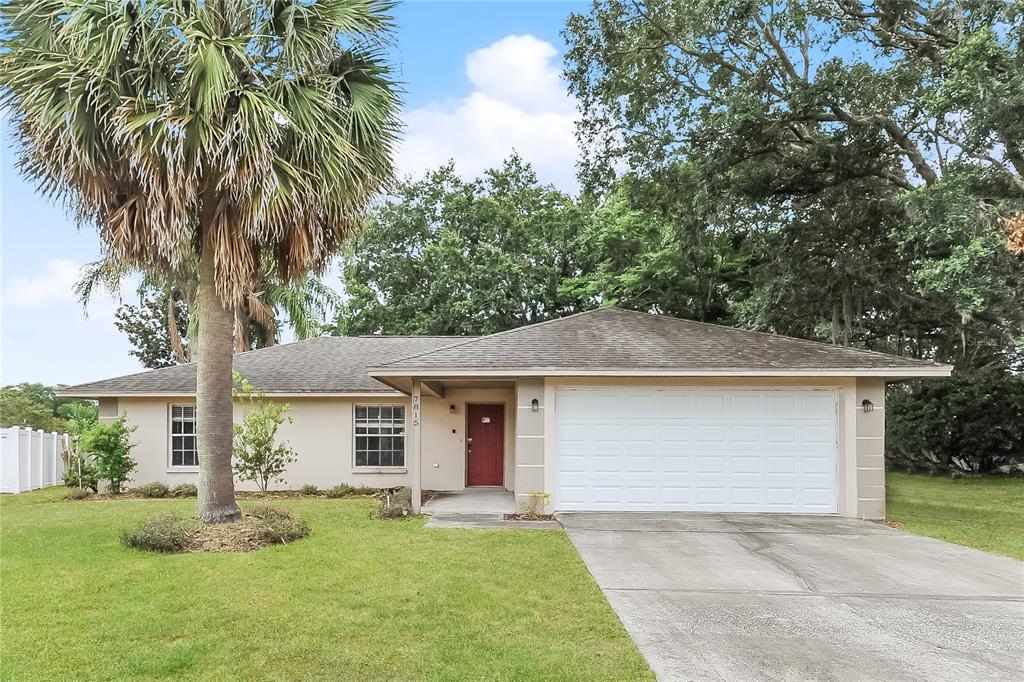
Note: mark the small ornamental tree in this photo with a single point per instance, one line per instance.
(258, 455)
(109, 445)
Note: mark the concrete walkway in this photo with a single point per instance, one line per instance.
(779, 597)
(472, 501)
(478, 508)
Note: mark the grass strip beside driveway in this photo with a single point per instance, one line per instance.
(986, 513)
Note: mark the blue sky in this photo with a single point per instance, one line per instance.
(482, 79)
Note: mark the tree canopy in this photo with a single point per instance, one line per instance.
(870, 154)
(37, 406)
(451, 256)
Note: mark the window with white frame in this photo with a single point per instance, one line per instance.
(184, 452)
(380, 435)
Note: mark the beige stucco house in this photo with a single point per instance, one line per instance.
(605, 410)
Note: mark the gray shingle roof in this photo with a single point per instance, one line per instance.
(598, 341)
(616, 339)
(329, 364)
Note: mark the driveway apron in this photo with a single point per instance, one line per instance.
(784, 597)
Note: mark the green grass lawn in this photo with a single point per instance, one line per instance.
(359, 599)
(985, 513)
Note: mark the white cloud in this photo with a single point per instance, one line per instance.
(45, 335)
(55, 284)
(519, 103)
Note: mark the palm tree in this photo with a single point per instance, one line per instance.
(305, 304)
(218, 132)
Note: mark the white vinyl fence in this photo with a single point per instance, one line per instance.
(31, 459)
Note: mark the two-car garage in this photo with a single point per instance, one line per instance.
(631, 448)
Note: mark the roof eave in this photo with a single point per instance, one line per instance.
(96, 395)
(383, 373)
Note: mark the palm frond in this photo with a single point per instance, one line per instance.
(270, 124)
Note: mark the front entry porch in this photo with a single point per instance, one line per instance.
(478, 507)
(472, 501)
(482, 433)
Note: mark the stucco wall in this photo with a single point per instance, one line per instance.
(530, 425)
(871, 449)
(322, 434)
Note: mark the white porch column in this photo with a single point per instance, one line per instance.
(415, 451)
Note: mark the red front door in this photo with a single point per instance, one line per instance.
(485, 445)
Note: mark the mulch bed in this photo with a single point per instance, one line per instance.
(241, 536)
(258, 527)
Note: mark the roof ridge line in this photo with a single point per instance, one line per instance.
(788, 337)
(491, 336)
(773, 335)
(410, 336)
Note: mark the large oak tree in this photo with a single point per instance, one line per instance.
(871, 151)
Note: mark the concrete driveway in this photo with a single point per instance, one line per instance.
(779, 597)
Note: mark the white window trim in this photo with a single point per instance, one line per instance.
(370, 469)
(171, 468)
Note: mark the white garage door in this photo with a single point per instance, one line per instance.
(646, 449)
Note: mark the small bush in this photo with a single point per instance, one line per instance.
(110, 446)
(154, 489)
(258, 455)
(77, 494)
(534, 508)
(81, 473)
(339, 491)
(162, 533)
(276, 526)
(309, 489)
(185, 490)
(396, 503)
(363, 490)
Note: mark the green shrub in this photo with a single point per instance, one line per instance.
(309, 489)
(968, 423)
(185, 490)
(395, 503)
(346, 490)
(258, 456)
(277, 526)
(161, 533)
(154, 489)
(81, 473)
(339, 491)
(108, 443)
(77, 494)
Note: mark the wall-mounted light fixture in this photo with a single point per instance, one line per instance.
(451, 409)
(867, 405)
(534, 404)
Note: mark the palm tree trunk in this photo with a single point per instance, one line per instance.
(213, 397)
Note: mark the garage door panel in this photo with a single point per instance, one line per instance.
(823, 465)
(688, 449)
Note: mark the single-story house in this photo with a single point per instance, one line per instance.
(604, 410)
